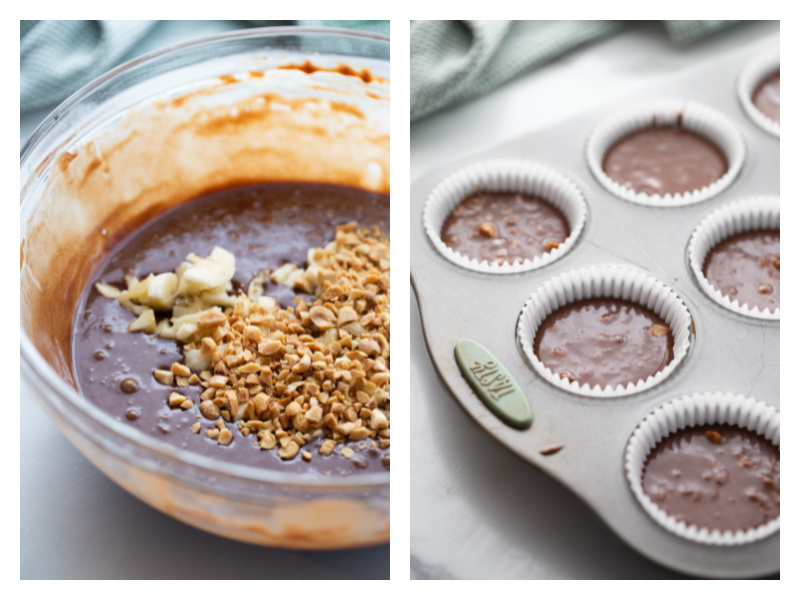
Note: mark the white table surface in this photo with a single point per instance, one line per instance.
(477, 511)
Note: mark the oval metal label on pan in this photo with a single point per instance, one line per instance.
(494, 385)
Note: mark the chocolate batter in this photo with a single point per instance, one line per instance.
(747, 268)
(604, 341)
(767, 97)
(664, 160)
(716, 476)
(504, 227)
(264, 226)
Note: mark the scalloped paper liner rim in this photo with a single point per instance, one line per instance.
(505, 175)
(752, 75)
(698, 118)
(748, 214)
(605, 281)
(687, 411)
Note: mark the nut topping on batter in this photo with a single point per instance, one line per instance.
(282, 376)
(487, 229)
(658, 330)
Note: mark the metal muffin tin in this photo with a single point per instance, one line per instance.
(730, 353)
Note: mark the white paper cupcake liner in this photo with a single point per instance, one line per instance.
(689, 411)
(700, 119)
(753, 74)
(763, 212)
(505, 175)
(605, 281)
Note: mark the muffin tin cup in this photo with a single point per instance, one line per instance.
(605, 281)
(689, 411)
(750, 214)
(754, 73)
(700, 119)
(505, 175)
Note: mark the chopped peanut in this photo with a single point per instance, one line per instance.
(551, 245)
(658, 330)
(165, 377)
(287, 377)
(487, 229)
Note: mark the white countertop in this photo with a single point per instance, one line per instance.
(477, 511)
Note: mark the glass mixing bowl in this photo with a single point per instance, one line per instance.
(278, 104)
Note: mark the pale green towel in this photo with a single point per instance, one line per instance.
(452, 61)
(58, 57)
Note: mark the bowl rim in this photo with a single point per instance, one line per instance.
(37, 365)
(78, 95)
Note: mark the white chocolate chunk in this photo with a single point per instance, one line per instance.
(107, 291)
(161, 291)
(215, 271)
(145, 322)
